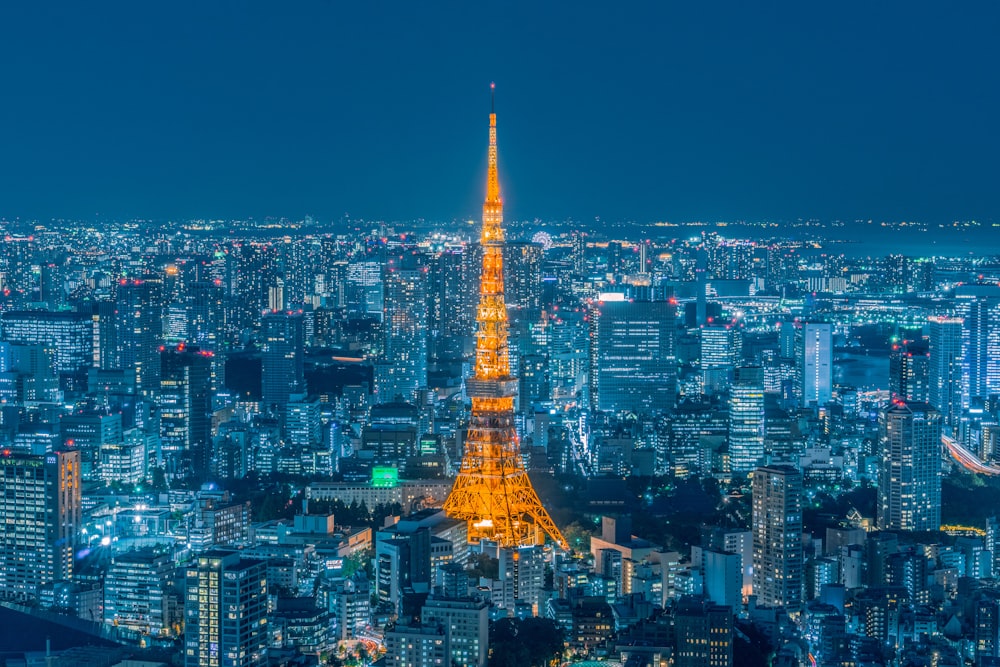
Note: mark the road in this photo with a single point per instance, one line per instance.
(967, 459)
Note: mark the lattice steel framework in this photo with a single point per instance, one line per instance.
(492, 491)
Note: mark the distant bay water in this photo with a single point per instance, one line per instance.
(857, 239)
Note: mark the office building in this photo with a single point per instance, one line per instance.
(403, 369)
(452, 289)
(282, 361)
(909, 370)
(704, 633)
(36, 551)
(417, 645)
(719, 350)
(138, 331)
(815, 364)
(123, 462)
(522, 274)
(67, 336)
(466, 623)
(979, 307)
(185, 408)
(87, 432)
(135, 594)
(909, 483)
(944, 389)
(225, 611)
(777, 536)
(634, 367)
(746, 419)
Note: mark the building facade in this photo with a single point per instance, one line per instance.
(909, 488)
(777, 536)
(225, 611)
(40, 509)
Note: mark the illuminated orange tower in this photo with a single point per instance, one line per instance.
(492, 491)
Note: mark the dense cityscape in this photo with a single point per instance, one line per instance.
(297, 443)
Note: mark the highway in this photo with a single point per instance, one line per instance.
(967, 459)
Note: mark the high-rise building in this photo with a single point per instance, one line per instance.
(909, 484)
(634, 366)
(979, 306)
(404, 319)
(909, 368)
(87, 432)
(206, 314)
(493, 493)
(135, 592)
(746, 419)
(282, 362)
(225, 611)
(522, 578)
(777, 536)
(815, 364)
(523, 274)
(944, 390)
(68, 337)
(452, 303)
(251, 269)
(185, 407)
(719, 352)
(40, 509)
(139, 329)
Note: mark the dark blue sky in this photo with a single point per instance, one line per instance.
(641, 111)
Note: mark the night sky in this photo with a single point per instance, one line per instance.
(627, 111)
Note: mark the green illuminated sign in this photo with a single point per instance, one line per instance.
(385, 477)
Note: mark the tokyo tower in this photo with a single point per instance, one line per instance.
(492, 491)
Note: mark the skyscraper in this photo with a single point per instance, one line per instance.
(909, 484)
(282, 362)
(225, 611)
(909, 366)
(719, 351)
(452, 304)
(777, 536)
(746, 419)
(404, 320)
(815, 364)
(139, 329)
(185, 407)
(979, 306)
(945, 373)
(67, 336)
(33, 550)
(206, 314)
(492, 492)
(634, 365)
(523, 274)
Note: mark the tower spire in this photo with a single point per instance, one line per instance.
(492, 491)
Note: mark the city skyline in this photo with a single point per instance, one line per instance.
(644, 113)
(247, 441)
